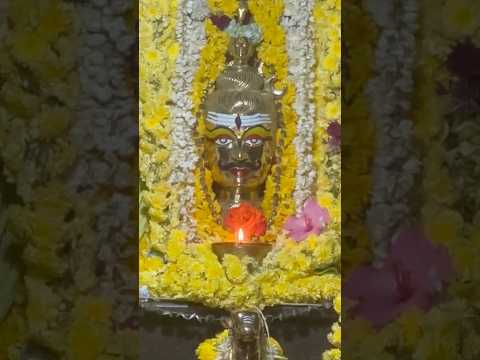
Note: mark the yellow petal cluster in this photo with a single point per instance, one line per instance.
(327, 34)
(157, 57)
(39, 63)
(273, 53)
(358, 133)
(211, 349)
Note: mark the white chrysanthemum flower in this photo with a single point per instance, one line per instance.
(390, 107)
(300, 48)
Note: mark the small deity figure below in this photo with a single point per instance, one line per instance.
(241, 123)
(248, 339)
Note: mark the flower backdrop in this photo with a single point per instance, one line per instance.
(64, 124)
(182, 51)
(423, 299)
(419, 301)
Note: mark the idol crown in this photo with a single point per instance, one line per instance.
(241, 88)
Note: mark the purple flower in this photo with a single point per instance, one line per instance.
(220, 21)
(414, 271)
(463, 60)
(312, 220)
(335, 132)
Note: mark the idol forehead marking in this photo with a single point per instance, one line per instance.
(228, 120)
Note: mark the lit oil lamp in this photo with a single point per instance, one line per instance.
(242, 248)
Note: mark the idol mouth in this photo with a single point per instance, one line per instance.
(239, 171)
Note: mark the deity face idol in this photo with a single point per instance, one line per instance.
(241, 119)
(240, 155)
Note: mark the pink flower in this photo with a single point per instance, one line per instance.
(312, 220)
(413, 273)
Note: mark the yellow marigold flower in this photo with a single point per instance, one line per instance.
(206, 351)
(311, 243)
(333, 20)
(460, 18)
(150, 263)
(335, 49)
(204, 252)
(152, 55)
(335, 337)
(326, 200)
(156, 9)
(236, 271)
(410, 322)
(443, 226)
(337, 304)
(86, 340)
(161, 156)
(227, 7)
(213, 270)
(333, 354)
(330, 63)
(332, 110)
(157, 234)
(173, 50)
(176, 244)
(93, 309)
(157, 200)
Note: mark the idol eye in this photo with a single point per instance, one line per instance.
(254, 141)
(223, 141)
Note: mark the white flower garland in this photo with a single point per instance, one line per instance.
(390, 92)
(183, 156)
(105, 125)
(297, 22)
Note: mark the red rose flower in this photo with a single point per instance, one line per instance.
(248, 218)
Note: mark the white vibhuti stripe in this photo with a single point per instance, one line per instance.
(246, 120)
(297, 22)
(183, 157)
(395, 164)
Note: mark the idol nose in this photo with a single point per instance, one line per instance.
(238, 153)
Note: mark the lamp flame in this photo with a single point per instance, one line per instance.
(240, 235)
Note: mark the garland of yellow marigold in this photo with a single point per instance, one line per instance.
(212, 62)
(442, 211)
(157, 65)
(35, 223)
(327, 19)
(272, 52)
(328, 98)
(358, 133)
